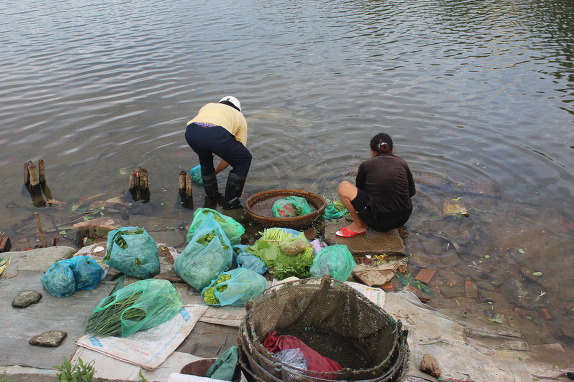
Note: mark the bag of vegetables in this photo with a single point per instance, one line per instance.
(230, 226)
(65, 277)
(208, 254)
(139, 306)
(234, 287)
(291, 206)
(133, 252)
(295, 261)
(335, 260)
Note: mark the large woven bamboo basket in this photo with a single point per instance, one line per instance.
(260, 207)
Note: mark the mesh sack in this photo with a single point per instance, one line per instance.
(208, 254)
(335, 261)
(291, 206)
(196, 175)
(65, 277)
(242, 286)
(332, 212)
(333, 319)
(138, 306)
(230, 226)
(59, 279)
(132, 251)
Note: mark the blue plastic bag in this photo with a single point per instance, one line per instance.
(335, 260)
(208, 254)
(196, 175)
(243, 286)
(133, 252)
(64, 277)
(87, 272)
(247, 260)
(59, 280)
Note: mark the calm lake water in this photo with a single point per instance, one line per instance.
(477, 95)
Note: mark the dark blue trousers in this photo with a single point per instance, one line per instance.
(206, 141)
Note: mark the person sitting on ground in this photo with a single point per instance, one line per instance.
(382, 196)
(221, 129)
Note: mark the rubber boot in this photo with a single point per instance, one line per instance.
(233, 190)
(212, 193)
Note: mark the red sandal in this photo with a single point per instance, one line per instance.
(345, 232)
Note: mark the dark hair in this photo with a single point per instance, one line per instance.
(382, 143)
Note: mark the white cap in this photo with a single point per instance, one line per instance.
(231, 100)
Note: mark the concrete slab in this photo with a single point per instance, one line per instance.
(371, 243)
(66, 314)
(35, 260)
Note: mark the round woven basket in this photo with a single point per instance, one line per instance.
(260, 206)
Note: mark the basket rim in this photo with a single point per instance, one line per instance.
(264, 195)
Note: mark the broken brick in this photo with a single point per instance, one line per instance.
(425, 275)
(470, 289)
(545, 314)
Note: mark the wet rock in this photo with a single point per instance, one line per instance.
(26, 298)
(524, 295)
(430, 365)
(51, 338)
(98, 228)
(451, 292)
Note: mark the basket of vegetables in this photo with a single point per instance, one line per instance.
(261, 207)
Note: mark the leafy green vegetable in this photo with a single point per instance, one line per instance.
(108, 322)
(282, 265)
(209, 294)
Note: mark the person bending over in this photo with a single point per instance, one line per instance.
(221, 129)
(382, 196)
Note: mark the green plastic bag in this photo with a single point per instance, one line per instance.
(208, 254)
(226, 365)
(334, 211)
(243, 285)
(291, 206)
(133, 252)
(335, 260)
(233, 230)
(139, 306)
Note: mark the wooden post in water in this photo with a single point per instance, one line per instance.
(33, 184)
(185, 192)
(41, 171)
(182, 181)
(188, 185)
(40, 229)
(139, 184)
(143, 184)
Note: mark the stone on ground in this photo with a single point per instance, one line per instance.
(51, 338)
(370, 243)
(26, 298)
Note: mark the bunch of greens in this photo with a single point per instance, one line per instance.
(138, 306)
(108, 322)
(209, 294)
(296, 262)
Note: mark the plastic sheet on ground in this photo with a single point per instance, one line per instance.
(112, 369)
(219, 315)
(483, 352)
(50, 313)
(148, 348)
